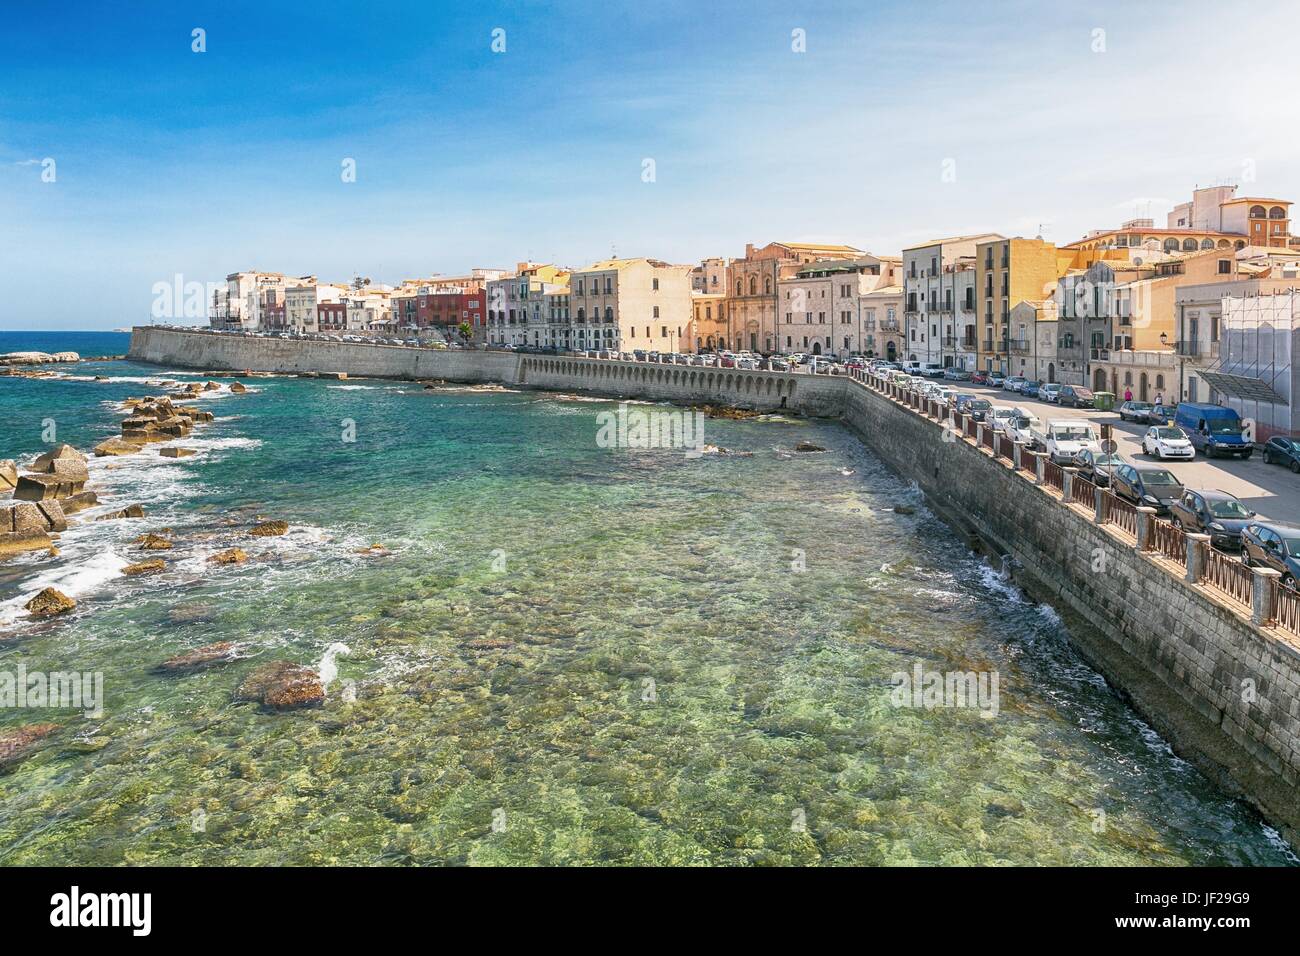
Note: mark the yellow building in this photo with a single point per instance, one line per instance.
(1007, 273)
(708, 331)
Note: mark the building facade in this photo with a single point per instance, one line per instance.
(752, 282)
(937, 282)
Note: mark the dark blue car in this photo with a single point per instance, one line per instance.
(1272, 545)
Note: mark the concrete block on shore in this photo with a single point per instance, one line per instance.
(46, 487)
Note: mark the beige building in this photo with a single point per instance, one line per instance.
(627, 304)
(708, 332)
(821, 305)
(754, 307)
(301, 301)
(517, 312)
(882, 325)
(937, 284)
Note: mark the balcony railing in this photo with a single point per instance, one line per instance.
(1019, 345)
(1199, 349)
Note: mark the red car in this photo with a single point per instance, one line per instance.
(979, 378)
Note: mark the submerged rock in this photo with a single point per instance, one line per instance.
(176, 452)
(268, 529)
(152, 566)
(130, 511)
(282, 685)
(904, 510)
(210, 655)
(152, 542)
(229, 556)
(808, 446)
(237, 388)
(50, 602)
(20, 743)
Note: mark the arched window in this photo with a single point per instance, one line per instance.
(1224, 244)
(767, 286)
(1239, 244)
(1160, 381)
(1257, 212)
(1207, 243)
(753, 285)
(738, 292)
(1128, 378)
(1189, 245)
(1171, 245)
(1276, 212)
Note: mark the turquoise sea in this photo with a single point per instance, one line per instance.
(566, 654)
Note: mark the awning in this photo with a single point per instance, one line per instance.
(1243, 387)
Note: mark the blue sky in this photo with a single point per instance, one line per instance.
(175, 162)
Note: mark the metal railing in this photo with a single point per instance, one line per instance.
(1231, 577)
(1170, 542)
(1052, 475)
(1122, 513)
(1083, 492)
(1288, 610)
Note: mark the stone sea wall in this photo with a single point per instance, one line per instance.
(1183, 656)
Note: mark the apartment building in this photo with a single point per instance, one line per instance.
(303, 299)
(1138, 299)
(710, 276)
(517, 312)
(240, 305)
(754, 306)
(821, 305)
(938, 308)
(708, 332)
(1007, 273)
(1263, 222)
(882, 326)
(627, 304)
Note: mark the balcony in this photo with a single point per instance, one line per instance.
(1020, 346)
(1205, 350)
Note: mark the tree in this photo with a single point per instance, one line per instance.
(466, 333)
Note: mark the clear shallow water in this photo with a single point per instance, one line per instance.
(647, 681)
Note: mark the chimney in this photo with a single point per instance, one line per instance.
(749, 250)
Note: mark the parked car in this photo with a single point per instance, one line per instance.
(1214, 429)
(1167, 441)
(1013, 384)
(978, 408)
(1025, 427)
(931, 370)
(979, 378)
(957, 374)
(1272, 545)
(1029, 389)
(1220, 515)
(1283, 451)
(1064, 439)
(1076, 396)
(1000, 418)
(1097, 466)
(1134, 412)
(1049, 391)
(1148, 487)
(996, 379)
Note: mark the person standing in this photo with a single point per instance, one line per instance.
(1128, 394)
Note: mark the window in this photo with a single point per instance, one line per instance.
(1225, 267)
(656, 312)
(654, 284)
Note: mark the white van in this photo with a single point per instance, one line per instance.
(1065, 439)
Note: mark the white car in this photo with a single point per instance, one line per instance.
(1001, 418)
(1025, 427)
(1167, 441)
